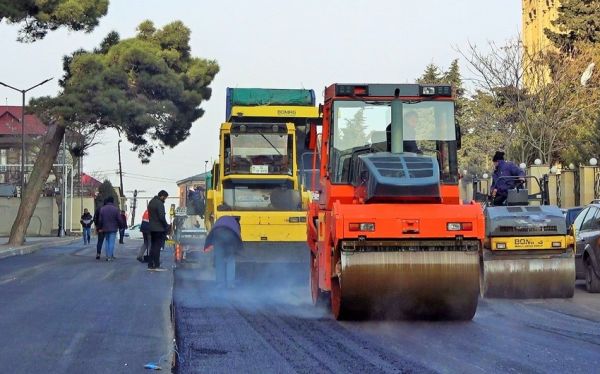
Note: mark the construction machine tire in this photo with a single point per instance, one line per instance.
(592, 282)
(319, 298)
(442, 285)
(533, 275)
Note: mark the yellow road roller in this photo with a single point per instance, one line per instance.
(528, 251)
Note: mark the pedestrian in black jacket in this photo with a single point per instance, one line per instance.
(158, 228)
(99, 230)
(86, 225)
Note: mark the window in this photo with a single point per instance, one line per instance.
(579, 219)
(590, 222)
(425, 127)
(306, 170)
(260, 195)
(258, 153)
(3, 162)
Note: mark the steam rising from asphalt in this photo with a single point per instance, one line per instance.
(259, 287)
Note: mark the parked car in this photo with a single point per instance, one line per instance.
(587, 242)
(571, 214)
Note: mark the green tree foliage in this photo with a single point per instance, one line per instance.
(105, 190)
(473, 134)
(483, 132)
(148, 87)
(37, 17)
(577, 21)
(432, 74)
(578, 43)
(453, 76)
(584, 140)
(541, 120)
(353, 134)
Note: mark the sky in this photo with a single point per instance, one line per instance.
(265, 43)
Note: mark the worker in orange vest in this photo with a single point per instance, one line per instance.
(145, 230)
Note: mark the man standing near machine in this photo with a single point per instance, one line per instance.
(158, 229)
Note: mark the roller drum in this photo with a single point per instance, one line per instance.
(528, 276)
(407, 284)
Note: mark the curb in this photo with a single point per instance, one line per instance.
(27, 249)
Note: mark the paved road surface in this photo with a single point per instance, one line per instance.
(274, 331)
(61, 311)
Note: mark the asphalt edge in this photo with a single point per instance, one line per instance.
(173, 330)
(27, 249)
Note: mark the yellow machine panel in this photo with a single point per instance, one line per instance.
(281, 111)
(528, 242)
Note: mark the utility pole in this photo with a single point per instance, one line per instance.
(63, 205)
(81, 184)
(134, 205)
(135, 192)
(120, 168)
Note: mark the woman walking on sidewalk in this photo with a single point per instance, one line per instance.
(110, 222)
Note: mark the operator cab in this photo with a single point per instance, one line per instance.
(258, 149)
(411, 123)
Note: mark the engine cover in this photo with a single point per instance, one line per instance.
(524, 221)
(405, 177)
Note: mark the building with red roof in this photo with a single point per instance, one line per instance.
(10, 141)
(10, 122)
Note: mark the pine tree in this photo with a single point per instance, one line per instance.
(452, 76)
(432, 74)
(149, 87)
(105, 190)
(577, 21)
(39, 17)
(354, 133)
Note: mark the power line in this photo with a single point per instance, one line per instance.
(142, 175)
(150, 179)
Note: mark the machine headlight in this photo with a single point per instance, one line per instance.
(428, 90)
(363, 226)
(459, 226)
(500, 245)
(453, 226)
(556, 244)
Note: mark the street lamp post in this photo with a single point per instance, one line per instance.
(120, 168)
(23, 92)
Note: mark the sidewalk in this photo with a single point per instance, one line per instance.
(33, 243)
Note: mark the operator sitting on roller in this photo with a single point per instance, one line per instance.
(411, 122)
(500, 186)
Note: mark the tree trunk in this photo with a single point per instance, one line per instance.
(37, 180)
